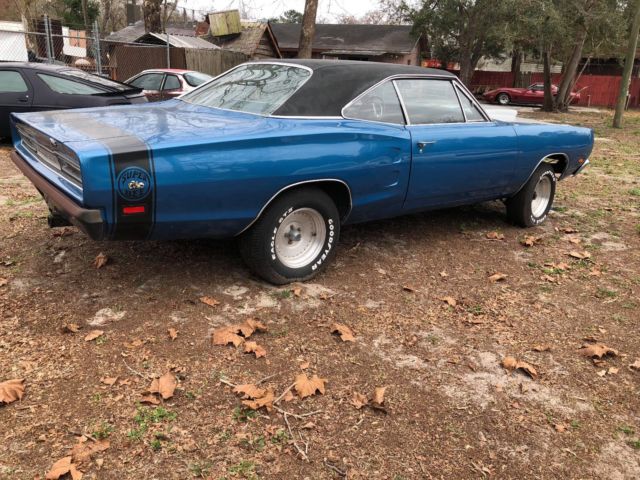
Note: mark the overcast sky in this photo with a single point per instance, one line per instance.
(327, 9)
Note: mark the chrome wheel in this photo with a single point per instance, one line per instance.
(503, 99)
(541, 197)
(300, 237)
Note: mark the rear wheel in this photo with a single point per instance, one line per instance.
(294, 239)
(531, 205)
(503, 99)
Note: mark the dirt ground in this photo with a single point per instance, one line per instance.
(430, 326)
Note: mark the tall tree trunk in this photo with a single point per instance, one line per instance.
(628, 68)
(516, 63)
(152, 13)
(85, 15)
(570, 70)
(308, 29)
(547, 106)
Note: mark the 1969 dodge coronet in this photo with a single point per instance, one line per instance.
(282, 154)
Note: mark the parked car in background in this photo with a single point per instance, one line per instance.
(28, 87)
(532, 95)
(282, 154)
(163, 84)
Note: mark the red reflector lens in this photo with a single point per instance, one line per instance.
(132, 210)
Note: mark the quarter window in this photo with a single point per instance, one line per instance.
(430, 101)
(171, 83)
(378, 105)
(148, 81)
(12, 82)
(70, 87)
(471, 110)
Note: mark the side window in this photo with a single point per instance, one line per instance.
(378, 105)
(536, 87)
(12, 82)
(471, 110)
(70, 87)
(148, 81)
(430, 101)
(171, 83)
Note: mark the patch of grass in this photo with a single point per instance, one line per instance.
(102, 431)
(245, 469)
(626, 429)
(257, 443)
(190, 395)
(559, 208)
(635, 444)
(226, 435)
(200, 469)
(96, 398)
(575, 424)
(244, 414)
(635, 192)
(145, 417)
(475, 309)
(155, 444)
(280, 437)
(606, 293)
(283, 294)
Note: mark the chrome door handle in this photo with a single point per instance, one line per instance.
(421, 144)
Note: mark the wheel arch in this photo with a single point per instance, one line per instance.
(559, 162)
(338, 190)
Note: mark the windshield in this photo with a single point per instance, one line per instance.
(105, 82)
(253, 88)
(196, 78)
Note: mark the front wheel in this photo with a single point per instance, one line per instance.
(530, 206)
(503, 99)
(294, 239)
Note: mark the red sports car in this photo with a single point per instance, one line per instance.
(533, 94)
(165, 83)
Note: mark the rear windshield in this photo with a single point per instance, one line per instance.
(196, 78)
(105, 82)
(253, 88)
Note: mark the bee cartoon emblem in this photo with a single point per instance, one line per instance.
(134, 184)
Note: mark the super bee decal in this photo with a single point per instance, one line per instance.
(134, 183)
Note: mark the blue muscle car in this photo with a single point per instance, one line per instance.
(282, 154)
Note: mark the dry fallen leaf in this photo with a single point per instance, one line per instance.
(297, 291)
(635, 365)
(569, 230)
(212, 302)
(70, 328)
(541, 348)
(346, 334)
(560, 427)
(109, 380)
(495, 235)
(306, 386)
(597, 350)
(101, 260)
(449, 301)
(253, 347)
(358, 400)
(11, 390)
(249, 326)
(497, 277)
(265, 401)
(164, 386)
(226, 335)
(304, 365)
(530, 240)
(407, 288)
(613, 370)
(288, 396)
(3, 281)
(511, 364)
(92, 335)
(249, 390)
(58, 469)
(579, 255)
(173, 333)
(378, 395)
(83, 451)
(443, 274)
(151, 399)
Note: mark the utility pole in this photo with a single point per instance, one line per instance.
(85, 15)
(308, 29)
(628, 68)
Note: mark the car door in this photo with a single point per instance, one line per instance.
(151, 85)
(535, 94)
(16, 95)
(459, 156)
(171, 87)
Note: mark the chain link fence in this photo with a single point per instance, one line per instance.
(52, 43)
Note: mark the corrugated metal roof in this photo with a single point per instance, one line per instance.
(184, 41)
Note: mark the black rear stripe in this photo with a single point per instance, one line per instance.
(126, 151)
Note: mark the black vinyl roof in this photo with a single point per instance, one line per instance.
(334, 83)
